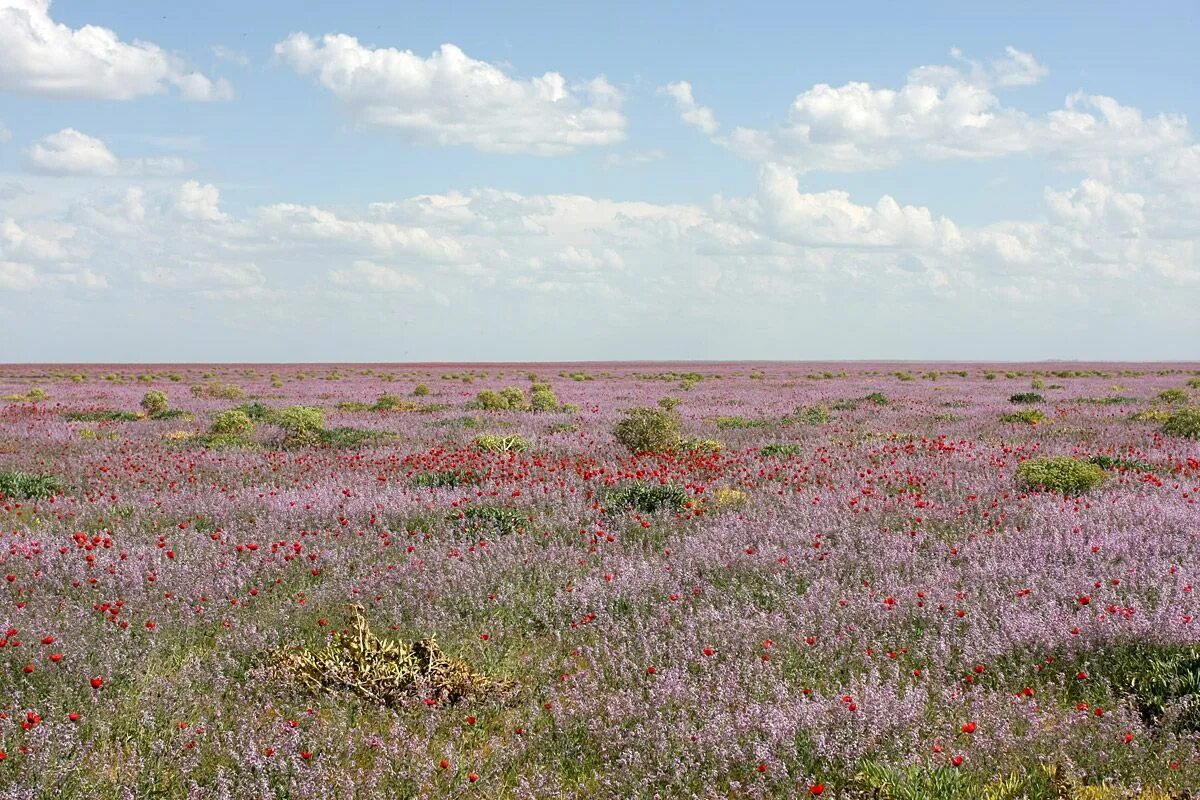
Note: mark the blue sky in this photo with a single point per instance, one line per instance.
(223, 181)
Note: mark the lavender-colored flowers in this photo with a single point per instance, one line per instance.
(886, 592)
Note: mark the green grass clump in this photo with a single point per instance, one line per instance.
(647, 430)
(784, 450)
(442, 479)
(420, 390)
(18, 485)
(735, 423)
(700, 445)
(498, 443)
(232, 422)
(1184, 423)
(1029, 416)
(508, 399)
(155, 402)
(1060, 474)
(259, 412)
(1026, 398)
(877, 398)
(1173, 397)
(647, 498)
(1108, 462)
(218, 391)
(99, 416)
(504, 519)
(392, 402)
(813, 415)
(1193, 383)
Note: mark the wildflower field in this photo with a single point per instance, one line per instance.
(600, 581)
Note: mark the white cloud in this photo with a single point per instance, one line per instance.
(41, 56)
(70, 152)
(200, 202)
(453, 99)
(5, 133)
(944, 112)
(17, 277)
(368, 276)
(692, 113)
(636, 158)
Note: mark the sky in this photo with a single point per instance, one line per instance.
(372, 181)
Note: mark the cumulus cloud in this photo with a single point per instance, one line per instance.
(70, 152)
(692, 113)
(943, 112)
(200, 202)
(450, 98)
(44, 57)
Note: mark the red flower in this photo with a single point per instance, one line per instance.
(306, 755)
(472, 777)
(97, 683)
(969, 727)
(957, 761)
(816, 789)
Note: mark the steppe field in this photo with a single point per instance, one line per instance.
(602, 580)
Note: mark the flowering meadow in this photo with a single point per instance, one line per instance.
(492, 581)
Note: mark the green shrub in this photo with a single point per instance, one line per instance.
(700, 445)
(669, 403)
(514, 398)
(542, 398)
(218, 391)
(155, 402)
(442, 479)
(647, 430)
(488, 400)
(725, 423)
(1193, 383)
(1151, 415)
(877, 398)
(784, 450)
(647, 498)
(232, 422)
(302, 425)
(1026, 398)
(421, 390)
(503, 519)
(497, 443)
(392, 402)
(37, 395)
(1108, 462)
(99, 416)
(1037, 383)
(1184, 423)
(258, 412)
(15, 485)
(813, 415)
(342, 438)
(1060, 474)
(1173, 397)
(1030, 416)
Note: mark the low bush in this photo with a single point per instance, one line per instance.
(100, 415)
(877, 398)
(232, 422)
(1108, 462)
(813, 415)
(442, 479)
(16, 485)
(155, 402)
(1030, 416)
(303, 426)
(785, 450)
(503, 519)
(1060, 474)
(499, 443)
(421, 390)
(1184, 423)
(727, 423)
(218, 391)
(700, 445)
(646, 498)
(542, 398)
(647, 430)
(1173, 397)
(1026, 398)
